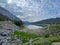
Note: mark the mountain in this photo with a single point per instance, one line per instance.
(26, 23)
(3, 18)
(6, 15)
(47, 21)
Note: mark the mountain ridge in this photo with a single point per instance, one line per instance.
(47, 21)
(5, 14)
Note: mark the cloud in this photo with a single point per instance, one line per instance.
(33, 10)
(9, 1)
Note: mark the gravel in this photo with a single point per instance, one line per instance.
(6, 30)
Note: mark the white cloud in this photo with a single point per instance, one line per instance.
(9, 1)
(33, 10)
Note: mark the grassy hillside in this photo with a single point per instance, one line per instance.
(46, 41)
(23, 36)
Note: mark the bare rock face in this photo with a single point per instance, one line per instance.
(6, 30)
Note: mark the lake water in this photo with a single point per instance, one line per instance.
(30, 26)
(33, 26)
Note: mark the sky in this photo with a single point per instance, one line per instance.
(32, 10)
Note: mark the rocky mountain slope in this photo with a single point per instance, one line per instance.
(6, 15)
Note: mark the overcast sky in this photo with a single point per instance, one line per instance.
(32, 10)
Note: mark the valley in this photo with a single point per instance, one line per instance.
(14, 32)
(10, 34)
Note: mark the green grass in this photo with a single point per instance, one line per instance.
(25, 37)
(46, 41)
(52, 29)
(42, 42)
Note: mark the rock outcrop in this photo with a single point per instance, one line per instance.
(6, 30)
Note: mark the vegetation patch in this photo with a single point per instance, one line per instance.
(46, 41)
(23, 36)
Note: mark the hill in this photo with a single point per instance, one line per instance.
(47, 21)
(6, 15)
